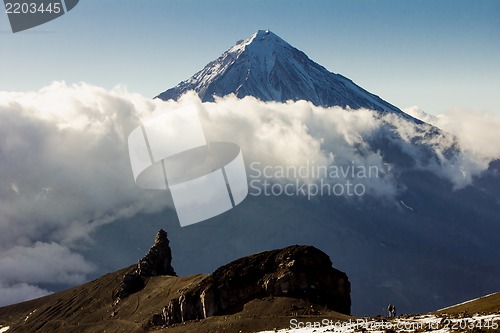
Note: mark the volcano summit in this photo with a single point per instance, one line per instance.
(268, 68)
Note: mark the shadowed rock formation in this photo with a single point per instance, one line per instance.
(158, 261)
(302, 272)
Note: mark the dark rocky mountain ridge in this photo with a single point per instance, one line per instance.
(301, 272)
(290, 281)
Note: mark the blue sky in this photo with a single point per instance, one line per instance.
(434, 54)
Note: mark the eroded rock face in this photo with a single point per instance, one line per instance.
(302, 272)
(132, 282)
(158, 261)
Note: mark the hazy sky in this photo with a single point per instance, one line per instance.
(433, 53)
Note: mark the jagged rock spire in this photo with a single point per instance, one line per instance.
(158, 260)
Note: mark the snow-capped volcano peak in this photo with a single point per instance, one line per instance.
(259, 40)
(268, 68)
(264, 47)
(265, 39)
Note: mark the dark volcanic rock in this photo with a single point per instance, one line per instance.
(132, 282)
(158, 261)
(302, 272)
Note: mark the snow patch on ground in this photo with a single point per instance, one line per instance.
(4, 329)
(29, 315)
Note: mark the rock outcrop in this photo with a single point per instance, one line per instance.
(302, 272)
(158, 261)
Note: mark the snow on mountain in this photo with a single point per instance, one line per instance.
(268, 68)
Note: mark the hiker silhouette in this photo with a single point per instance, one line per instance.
(391, 309)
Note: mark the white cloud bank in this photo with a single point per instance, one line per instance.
(477, 132)
(64, 164)
(64, 171)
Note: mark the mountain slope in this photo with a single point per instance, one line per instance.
(485, 304)
(267, 67)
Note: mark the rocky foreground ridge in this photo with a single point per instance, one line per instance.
(258, 292)
(301, 272)
(263, 292)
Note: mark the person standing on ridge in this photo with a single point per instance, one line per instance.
(390, 310)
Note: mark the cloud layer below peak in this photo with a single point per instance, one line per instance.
(65, 167)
